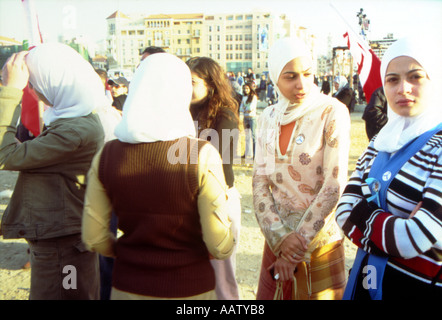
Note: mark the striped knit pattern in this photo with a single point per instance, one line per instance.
(162, 252)
(414, 245)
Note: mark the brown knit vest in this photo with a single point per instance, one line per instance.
(162, 252)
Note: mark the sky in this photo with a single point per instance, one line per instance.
(88, 17)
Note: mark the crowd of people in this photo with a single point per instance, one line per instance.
(136, 189)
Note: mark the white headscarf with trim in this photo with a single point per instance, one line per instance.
(67, 81)
(399, 130)
(157, 106)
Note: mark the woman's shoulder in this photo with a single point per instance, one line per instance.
(334, 104)
(227, 118)
(332, 110)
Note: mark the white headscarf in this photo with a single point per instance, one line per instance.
(342, 81)
(399, 130)
(66, 80)
(282, 52)
(157, 106)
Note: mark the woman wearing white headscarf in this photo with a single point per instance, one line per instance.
(300, 166)
(47, 203)
(167, 189)
(391, 208)
(344, 93)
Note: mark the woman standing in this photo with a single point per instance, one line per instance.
(391, 207)
(47, 203)
(214, 109)
(344, 93)
(166, 188)
(300, 170)
(248, 106)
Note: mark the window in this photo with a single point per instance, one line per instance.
(112, 29)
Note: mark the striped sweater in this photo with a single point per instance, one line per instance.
(413, 244)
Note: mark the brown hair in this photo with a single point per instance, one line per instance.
(251, 93)
(220, 96)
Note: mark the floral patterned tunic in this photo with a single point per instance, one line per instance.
(300, 190)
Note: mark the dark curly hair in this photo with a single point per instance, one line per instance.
(221, 94)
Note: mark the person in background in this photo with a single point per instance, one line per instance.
(239, 79)
(47, 203)
(299, 173)
(325, 87)
(271, 94)
(214, 111)
(109, 117)
(391, 207)
(103, 76)
(248, 107)
(375, 113)
(151, 50)
(344, 93)
(166, 188)
(262, 92)
(250, 75)
(119, 90)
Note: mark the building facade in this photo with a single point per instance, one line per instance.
(380, 46)
(236, 41)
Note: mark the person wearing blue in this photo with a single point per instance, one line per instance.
(240, 79)
(391, 208)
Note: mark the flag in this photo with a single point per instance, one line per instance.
(369, 65)
(30, 115)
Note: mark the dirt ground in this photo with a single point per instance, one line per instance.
(15, 281)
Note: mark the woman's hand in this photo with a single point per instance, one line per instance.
(282, 269)
(15, 72)
(293, 248)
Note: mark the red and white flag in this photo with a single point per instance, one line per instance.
(30, 113)
(369, 65)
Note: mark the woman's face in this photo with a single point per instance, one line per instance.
(200, 89)
(296, 79)
(406, 86)
(246, 90)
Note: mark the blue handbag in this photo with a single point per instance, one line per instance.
(383, 170)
